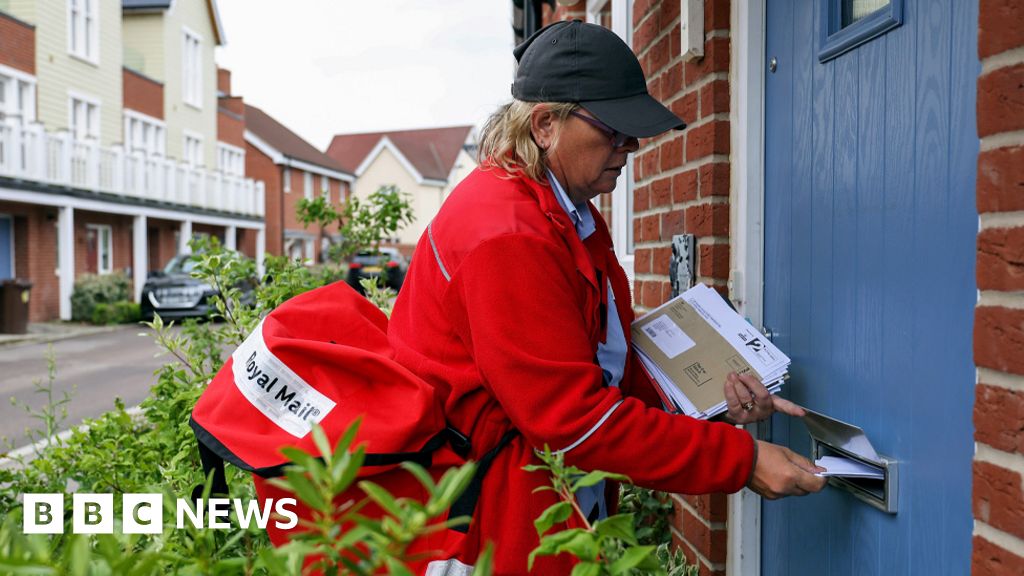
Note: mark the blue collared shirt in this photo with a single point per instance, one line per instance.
(611, 354)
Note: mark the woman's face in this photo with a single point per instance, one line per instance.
(583, 157)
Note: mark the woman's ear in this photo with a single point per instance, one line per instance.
(543, 125)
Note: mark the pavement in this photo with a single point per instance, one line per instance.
(43, 332)
(93, 366)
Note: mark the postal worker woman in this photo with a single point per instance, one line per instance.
(516, 310)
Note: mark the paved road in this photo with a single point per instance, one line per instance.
(101, 367)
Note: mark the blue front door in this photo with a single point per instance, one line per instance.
(870, 227)
(6, 247)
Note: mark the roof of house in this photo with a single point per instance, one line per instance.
(159, 5)
(283, 140)
(431, 151)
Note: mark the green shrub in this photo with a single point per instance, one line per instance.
(121, 312)
(155, 451)
(93, 289)
(102, 314)
(126, 312)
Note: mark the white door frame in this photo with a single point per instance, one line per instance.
(746, 279)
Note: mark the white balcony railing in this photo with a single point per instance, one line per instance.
(30, 153)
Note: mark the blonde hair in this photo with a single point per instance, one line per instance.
(507, 141)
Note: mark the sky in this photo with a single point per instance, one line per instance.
(326, 67)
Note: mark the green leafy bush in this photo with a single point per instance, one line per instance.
(122, 312)
(127, 312)
(611, 546)
(93, 289)
(361, 223)
(651, 510)
(153, 449)
(102, 314)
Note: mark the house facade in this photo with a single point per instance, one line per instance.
(426, 164)
(96, 174)
(292, 169)
(850, 178)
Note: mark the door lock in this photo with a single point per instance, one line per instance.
(773, 64)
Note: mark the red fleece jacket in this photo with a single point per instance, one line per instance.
(503, 313)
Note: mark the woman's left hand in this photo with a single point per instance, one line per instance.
(749, 401)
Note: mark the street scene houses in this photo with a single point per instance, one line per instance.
(121, 140)
(849, 178)
(292, 169)
(109, 149)
(425, 163)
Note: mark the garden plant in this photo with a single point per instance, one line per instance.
(152, 449)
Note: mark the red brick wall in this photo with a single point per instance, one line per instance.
(35, 256)
(233, 104)
(121, 239)
(17, 44)
(998, 491)
(143, 94)
(231, 121)
(577, 11)
(259, 166)
(163, 243)
(224, 81)
(291, 199)
(682, 187)
(245, 242)
(209, 230)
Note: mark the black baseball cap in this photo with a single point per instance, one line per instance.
(573, 61)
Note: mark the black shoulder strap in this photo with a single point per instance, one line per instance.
(211, 462)
(466, 504)
(213, 454)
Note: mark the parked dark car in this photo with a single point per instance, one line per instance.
(174, 294)
(387, 263)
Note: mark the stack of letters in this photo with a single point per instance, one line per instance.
(691, 343)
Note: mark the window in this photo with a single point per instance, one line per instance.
(846, 24)
(84, 121)
(83, 29)
(287, 177)
(193, 152)
(17, 96)
(230, 159)
(307, 185)
(325, 188)
(99, 245)
(855, 10)
(144, 134)
(299, 249)
(192, 67)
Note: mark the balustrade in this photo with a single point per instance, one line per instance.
(29, 153)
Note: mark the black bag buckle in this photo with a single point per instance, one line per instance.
(459, 442)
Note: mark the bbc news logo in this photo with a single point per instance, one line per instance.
(144, 513)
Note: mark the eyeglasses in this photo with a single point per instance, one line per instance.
(617, 139)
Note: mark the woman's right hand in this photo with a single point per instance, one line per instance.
(780, 472)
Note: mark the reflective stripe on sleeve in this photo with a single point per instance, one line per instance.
(437, 255)
(450, 567)
(592, 429)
